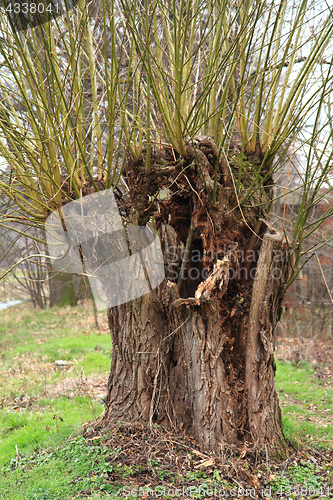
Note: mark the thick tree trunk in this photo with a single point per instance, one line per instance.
(199, 356)
(191, 368)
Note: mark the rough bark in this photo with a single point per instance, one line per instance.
(185, 367)
(200, 356)
(264, 416)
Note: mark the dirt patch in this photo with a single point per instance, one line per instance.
(94, 386)
(319, 353)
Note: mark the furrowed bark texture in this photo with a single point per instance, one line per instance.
(264, 415)
(175, 375)
(200, 356)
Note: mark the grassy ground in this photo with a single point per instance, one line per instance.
(44, 404)
(304, 381)
(41, 402)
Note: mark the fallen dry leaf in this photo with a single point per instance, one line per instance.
(199, 454)
(206, 463)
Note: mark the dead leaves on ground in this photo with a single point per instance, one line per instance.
(156, 457)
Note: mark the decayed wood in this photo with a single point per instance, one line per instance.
(218, 278)
(206, 140)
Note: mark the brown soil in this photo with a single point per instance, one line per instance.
(94, 386)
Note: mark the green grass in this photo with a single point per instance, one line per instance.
(59, 474)
(306, 404)
(30, 342)
(47, 427)
(303, 476)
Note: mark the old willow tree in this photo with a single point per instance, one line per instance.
(188, 112)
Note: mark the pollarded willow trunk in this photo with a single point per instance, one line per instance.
(197, 352)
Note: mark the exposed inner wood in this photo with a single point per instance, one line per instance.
(201, 357)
